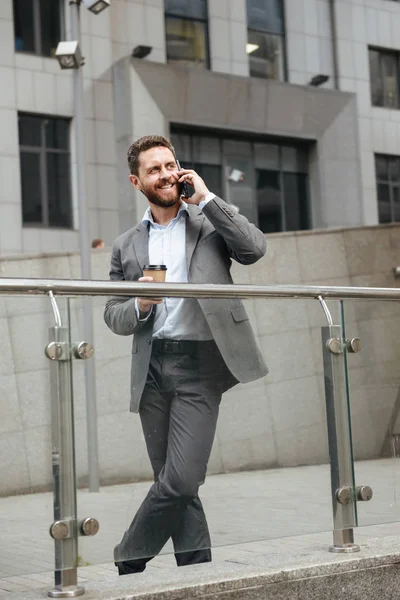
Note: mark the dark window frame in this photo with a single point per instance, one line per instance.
(37, 29)
(282, 192)
(221, 136)
(42, 151)
(391, 185)
(382, 53)
(194, 164)
(204, 21)
(283, 35)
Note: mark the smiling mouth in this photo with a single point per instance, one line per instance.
(167, 187)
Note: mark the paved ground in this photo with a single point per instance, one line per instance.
(249, 514)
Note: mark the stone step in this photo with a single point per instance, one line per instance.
(298, 568)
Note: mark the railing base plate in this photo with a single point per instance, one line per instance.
(67, 592)
(345, 548)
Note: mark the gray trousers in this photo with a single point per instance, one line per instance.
(179, 411)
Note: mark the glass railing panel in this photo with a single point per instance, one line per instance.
(268, 472)
(26, 477)
(374, 391)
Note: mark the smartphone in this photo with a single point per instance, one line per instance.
(183, 188)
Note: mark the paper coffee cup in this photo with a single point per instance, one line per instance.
(157, 272)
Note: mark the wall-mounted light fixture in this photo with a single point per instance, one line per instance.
(69, 55)
(319, 80)
(96, 6)
(141, 51)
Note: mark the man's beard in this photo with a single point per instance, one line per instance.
(154, 198)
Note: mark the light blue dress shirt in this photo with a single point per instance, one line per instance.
(175, 318)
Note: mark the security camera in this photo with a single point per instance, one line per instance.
(236, 175)
(69, 55)
(96, 6)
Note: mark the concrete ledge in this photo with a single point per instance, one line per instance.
(290, 569)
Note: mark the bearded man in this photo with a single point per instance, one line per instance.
(185, 352)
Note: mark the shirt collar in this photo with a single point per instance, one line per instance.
(148, 217)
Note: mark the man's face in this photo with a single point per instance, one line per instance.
(157, 177)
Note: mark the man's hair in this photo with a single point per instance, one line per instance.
(141, 145)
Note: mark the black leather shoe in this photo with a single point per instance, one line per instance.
(193, 557)
(127, 567)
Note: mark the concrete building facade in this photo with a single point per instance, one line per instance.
(275, 422)
(309, 154)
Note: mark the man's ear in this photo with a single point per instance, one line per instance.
(134, 179)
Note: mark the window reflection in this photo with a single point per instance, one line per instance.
(390, 80)
(186, 32)
(266, 39)
(388, 186)
(212, 175)
(396, 203)
(23, 26)
(186, 42)
(269, 201)
(37, 26)
(265, 15)
(384, 77)
(30, 182)
(266, 60)
(190, 9)
(295, 201)
(384, 203)
(50, 26)
(58, 191)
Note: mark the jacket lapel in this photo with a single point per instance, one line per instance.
(141, 244)
(194, 222)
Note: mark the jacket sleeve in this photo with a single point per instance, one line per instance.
(119, 313)
(245, 242)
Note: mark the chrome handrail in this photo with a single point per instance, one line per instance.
(79, 287)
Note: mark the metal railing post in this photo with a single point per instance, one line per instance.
(344, 492)
(339, 440)
(65, 529)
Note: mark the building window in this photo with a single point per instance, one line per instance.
(187, 32)
(281, 187)
(45, 171)
(268, 182)
(203, 154)
(388, 186)
(384, 74)
(38, 26)
(266, 39)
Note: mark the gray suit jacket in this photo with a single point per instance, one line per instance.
(212, 240)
